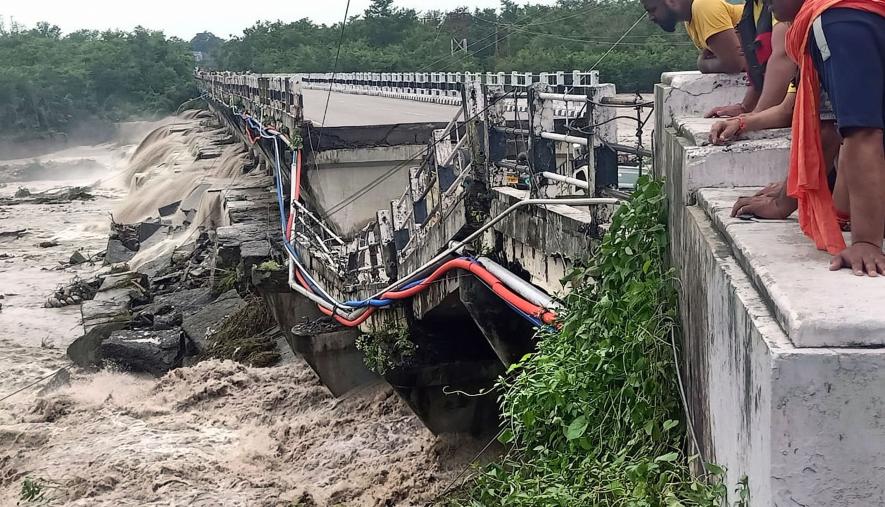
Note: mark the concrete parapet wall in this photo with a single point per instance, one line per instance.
(776, 390)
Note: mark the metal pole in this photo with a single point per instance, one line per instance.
(564, 138)
(566, 179)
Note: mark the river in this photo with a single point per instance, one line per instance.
(217, 433)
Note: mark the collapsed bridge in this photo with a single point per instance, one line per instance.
(446, 239)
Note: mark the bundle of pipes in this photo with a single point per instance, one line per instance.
(525, 299)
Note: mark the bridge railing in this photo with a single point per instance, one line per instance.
(445, 87)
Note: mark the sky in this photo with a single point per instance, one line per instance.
(184, 18)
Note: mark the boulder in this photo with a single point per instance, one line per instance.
(78, 258)
(48, 244)
(83, 350)
(117, 252)
(198, 324)
(144, 350)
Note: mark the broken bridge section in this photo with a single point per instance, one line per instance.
(520, 177)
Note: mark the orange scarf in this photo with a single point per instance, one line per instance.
(807, 181)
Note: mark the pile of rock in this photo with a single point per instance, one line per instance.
(74, 293)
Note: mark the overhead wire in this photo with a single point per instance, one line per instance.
(334, 68)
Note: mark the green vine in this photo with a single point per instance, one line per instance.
(387, 349)
(594, 416)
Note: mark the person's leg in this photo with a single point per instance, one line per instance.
(849, 49)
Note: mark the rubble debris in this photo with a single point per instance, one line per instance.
(144, 350)
(53, 196)
(117, 252)
(14, 234)
(203, 322)
(249, 336)
(169, 209)
(74, 293)
(77, 258)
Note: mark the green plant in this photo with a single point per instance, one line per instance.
(228, 281)
(270, 265)
(594, 416)
(33, 491)
(386, 349)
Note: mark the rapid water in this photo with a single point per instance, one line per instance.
(214, 434)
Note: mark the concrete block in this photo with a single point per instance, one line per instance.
(816, 307)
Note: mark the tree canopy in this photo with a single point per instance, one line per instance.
(572, 34)
(50, 83)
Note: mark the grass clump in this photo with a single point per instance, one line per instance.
(594, 417)
(386, 349)
(244, 336)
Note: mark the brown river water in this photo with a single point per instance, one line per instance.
(217, 433)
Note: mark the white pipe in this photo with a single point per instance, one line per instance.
(528, 291)
(564, 138)
(566, 179)
(563, 97)
(579, 201)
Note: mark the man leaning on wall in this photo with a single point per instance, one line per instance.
(710, 25)
(839, 46)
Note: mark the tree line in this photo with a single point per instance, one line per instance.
(50, 82)
(53, 84)
(572, 34)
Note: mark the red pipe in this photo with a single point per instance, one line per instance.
(480, 272)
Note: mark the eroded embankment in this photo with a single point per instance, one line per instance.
(217, 433)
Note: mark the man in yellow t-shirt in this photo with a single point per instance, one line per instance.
(710, 25)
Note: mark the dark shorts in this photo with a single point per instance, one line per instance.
(848, 48)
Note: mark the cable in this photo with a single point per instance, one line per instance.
(334, 69)
(601, 58)
(32, 384)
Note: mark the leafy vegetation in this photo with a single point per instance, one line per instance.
(593, 418)
(386, 349)
(53, 84)
(572, 34)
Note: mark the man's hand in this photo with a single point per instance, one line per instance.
(861, 258)
(773, 189)
(724, 131)
(725, 111)
(767, 206)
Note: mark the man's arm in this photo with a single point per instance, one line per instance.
(746, 105)
(779, 116)
(724, 56)
(862, 162)
(779, 71)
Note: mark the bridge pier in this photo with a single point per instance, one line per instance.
(452, 358)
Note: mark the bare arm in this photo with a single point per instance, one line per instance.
(862, 162)
(727, 58)
(779, 116)
(778, 72)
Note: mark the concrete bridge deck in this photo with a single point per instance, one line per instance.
(347, 109)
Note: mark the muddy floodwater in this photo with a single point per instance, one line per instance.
(217, 433)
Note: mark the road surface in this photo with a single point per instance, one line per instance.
(352, 110)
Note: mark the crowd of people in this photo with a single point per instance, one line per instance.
(817, 66)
